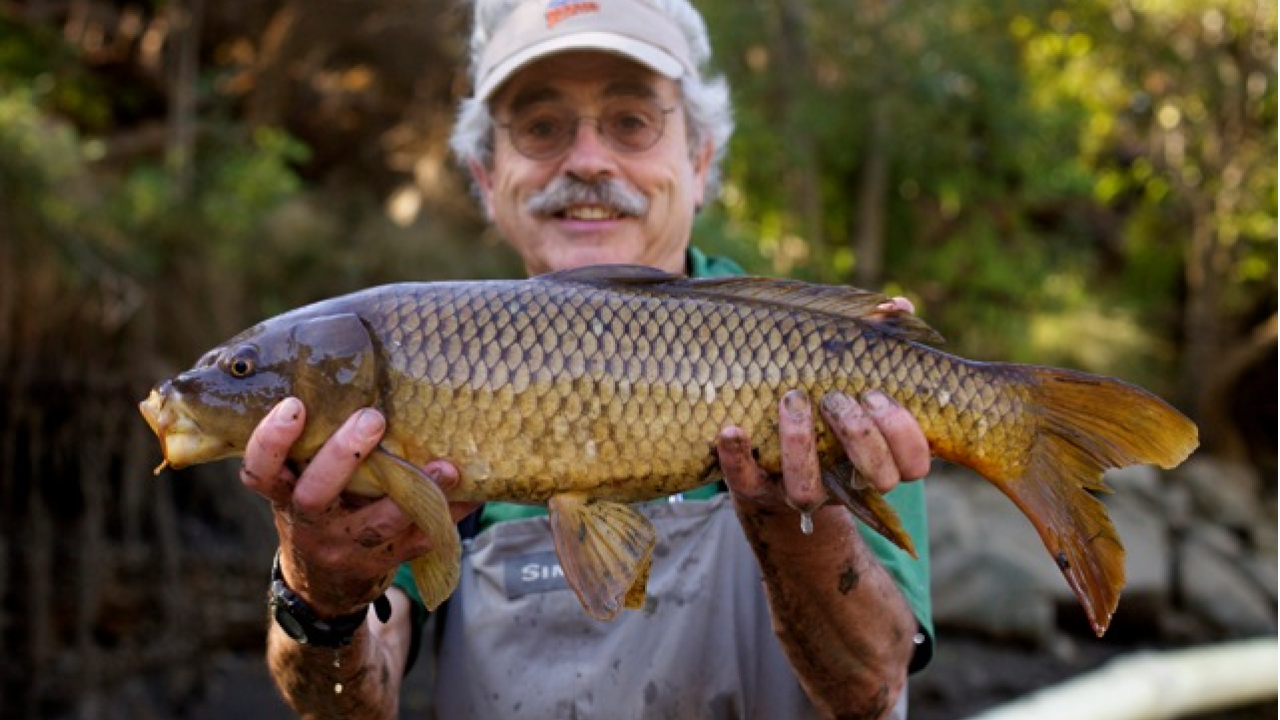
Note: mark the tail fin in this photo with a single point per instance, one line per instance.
(1087, 424)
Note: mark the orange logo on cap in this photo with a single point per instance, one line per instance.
(558, 10)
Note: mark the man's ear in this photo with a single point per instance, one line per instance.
(484, 184)
(701, 166)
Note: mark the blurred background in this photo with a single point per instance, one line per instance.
(1089, 184)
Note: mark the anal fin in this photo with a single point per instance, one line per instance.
(604, 549)
(435, 573)
(867, 504)
(636, 593)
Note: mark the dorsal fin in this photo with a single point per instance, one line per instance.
(835, 300)
(611, 275)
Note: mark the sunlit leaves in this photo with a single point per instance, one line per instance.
(1028, 140)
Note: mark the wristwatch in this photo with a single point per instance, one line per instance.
(296, 618)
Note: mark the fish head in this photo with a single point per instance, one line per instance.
(209, 412)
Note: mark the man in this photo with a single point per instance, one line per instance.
(593, 137)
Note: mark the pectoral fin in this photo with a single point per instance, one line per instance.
(867, 504)
(604, 550)
(435, 573)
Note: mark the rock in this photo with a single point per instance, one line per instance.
(1260, 565)
(1262, 573)
(1225, 492)
(1142, 481)
(990, 572)
(951, 518)
(1216, 588)
(993, 596)
(1200, 556)
(1139, 519)
(987, 557)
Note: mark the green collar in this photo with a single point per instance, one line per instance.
(703, 266)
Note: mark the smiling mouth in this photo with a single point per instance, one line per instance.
(590, 212)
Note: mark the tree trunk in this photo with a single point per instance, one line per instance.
(185, 17)
(872, 197)
(802, 178)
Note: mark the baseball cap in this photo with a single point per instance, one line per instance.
(537, 28)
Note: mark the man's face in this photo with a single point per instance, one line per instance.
(594, 202)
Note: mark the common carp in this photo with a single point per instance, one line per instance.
(593, 388)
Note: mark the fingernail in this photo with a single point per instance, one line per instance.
(795, 402)
(369, 424)
(887, 306)
(835, 403)
(289, 410)
(877, 400)
(735, 443)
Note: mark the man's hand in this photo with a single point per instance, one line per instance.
(882, 440)
(829, 590)
(339, 551)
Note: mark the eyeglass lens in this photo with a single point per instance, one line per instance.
(543, 130)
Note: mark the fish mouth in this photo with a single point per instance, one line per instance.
(181, 440)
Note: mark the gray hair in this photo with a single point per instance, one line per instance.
(706, 97)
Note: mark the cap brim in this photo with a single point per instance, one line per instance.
(644, 53)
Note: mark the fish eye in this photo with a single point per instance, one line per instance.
(242, 363)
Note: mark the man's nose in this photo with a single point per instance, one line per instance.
(590, 155)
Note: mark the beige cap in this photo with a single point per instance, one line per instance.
(538, 28)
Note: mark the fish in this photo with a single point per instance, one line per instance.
(592, 389)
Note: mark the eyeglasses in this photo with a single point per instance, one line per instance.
(544, 130)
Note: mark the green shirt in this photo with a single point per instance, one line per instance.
(910, 574)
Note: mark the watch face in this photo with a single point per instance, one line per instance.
(289, 624)
(286, 620)
(299, 622)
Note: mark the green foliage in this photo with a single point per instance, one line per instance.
(246, 183)
(45, 203)
(1050, 169)
(1048, 162)
(36, 58)
(38, 160)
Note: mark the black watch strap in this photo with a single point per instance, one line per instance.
(296, 618)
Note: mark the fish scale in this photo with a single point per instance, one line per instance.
(592, 388)
(655, 401)
(773, 350)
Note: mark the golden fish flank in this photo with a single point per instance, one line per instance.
(592, 388)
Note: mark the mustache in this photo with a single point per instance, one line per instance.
(565, 191)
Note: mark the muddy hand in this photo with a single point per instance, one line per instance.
(882, 440)
(338, 550)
